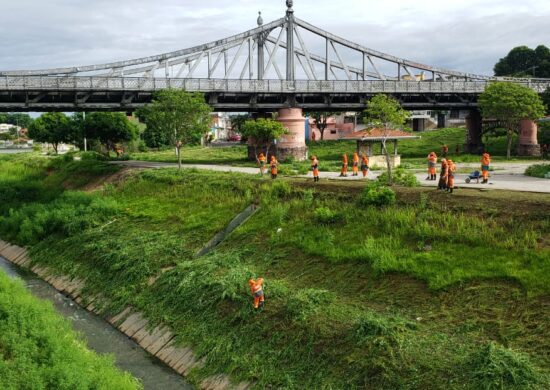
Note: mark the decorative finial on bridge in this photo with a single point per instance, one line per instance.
(260, 19)
(289, 4)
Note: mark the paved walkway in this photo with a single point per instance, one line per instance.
(507, 176)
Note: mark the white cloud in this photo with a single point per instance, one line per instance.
(466, 35)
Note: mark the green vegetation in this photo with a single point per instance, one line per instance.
(178, 116)
(510, 103)
(358, 296)
(262, 133)
(538, 170)
(523, 61)
(39, 349)
(384, 112)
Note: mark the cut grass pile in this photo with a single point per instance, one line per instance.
(39, 349)
(538, 170)
(358, 296)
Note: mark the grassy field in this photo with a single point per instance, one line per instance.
(329, 153)
(434, 292)
(39, 349)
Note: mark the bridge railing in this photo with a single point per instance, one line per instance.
(96, 83)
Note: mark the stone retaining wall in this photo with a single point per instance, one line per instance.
(159, 342)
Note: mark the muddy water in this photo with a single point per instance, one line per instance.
(101, 336)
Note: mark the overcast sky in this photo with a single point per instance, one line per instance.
(465, 35)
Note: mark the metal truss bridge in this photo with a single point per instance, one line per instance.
(285, 63)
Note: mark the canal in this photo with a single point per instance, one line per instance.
(101, 336)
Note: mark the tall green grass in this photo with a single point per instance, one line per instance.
(39, 349)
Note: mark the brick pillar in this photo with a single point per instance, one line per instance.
(293, 144)
(528, 142)
(474, 144)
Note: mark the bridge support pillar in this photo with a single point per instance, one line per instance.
(474, 144)
(292, 144)
(528, 142)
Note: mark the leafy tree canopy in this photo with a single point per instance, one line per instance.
(109, 128)
(180, 116)
(51, 127)
(320, 118)
(262, 132)
(523, 61)
(16, 119)
(510, 103)
(385, 112)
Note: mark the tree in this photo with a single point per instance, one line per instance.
(321, 119)
(51, 127)
(238, 121)
(109, 128)
(510, 103)
(546, 100)
(21, 120)
(522, 61)
(386, 113)
(155, 138)
(181, 116)
(261, 134)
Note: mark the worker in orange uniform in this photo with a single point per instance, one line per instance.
(273, 165)
(451, 169)
(485, 165)
(315, 168)
(344, 171)
(364, 165)
(443, 175)
(261, 162)
(432, 163)
(257, 290)
(355, 164)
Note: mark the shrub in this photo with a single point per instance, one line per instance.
(377, 195)
(281, 189)
(538, 170)
(400, 177)
(496, 367)
(326, 216)
(94, 156)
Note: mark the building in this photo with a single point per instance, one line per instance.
(221, 125)
(338, 127)
(6, 128)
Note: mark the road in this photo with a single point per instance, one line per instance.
(506, 176)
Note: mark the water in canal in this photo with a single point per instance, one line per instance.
(101, 336)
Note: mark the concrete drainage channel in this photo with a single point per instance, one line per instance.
(160, 341)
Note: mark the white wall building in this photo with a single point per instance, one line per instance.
(6, 127)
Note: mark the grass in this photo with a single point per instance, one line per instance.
(39, 349)
(408, 295)
(538, 170)
(329, 153)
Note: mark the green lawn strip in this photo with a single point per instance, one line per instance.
(39, 349)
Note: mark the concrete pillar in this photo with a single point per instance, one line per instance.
(293, 144)
(419, 124)
(474, 144)
(441, 120)
(528, 143)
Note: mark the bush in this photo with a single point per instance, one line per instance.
(538, 170)
(92, 156)
(496, 367)
(281, 189)
(326, 216)
(400, 177)
(41, 351)
(377, 195)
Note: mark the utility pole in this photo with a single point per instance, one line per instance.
(85, 140)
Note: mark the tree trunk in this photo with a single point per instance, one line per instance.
(55, 146)
(388, 162)
(509, 150)
(322, 131)
(179, 157)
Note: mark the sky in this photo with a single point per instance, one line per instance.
(466, 35)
